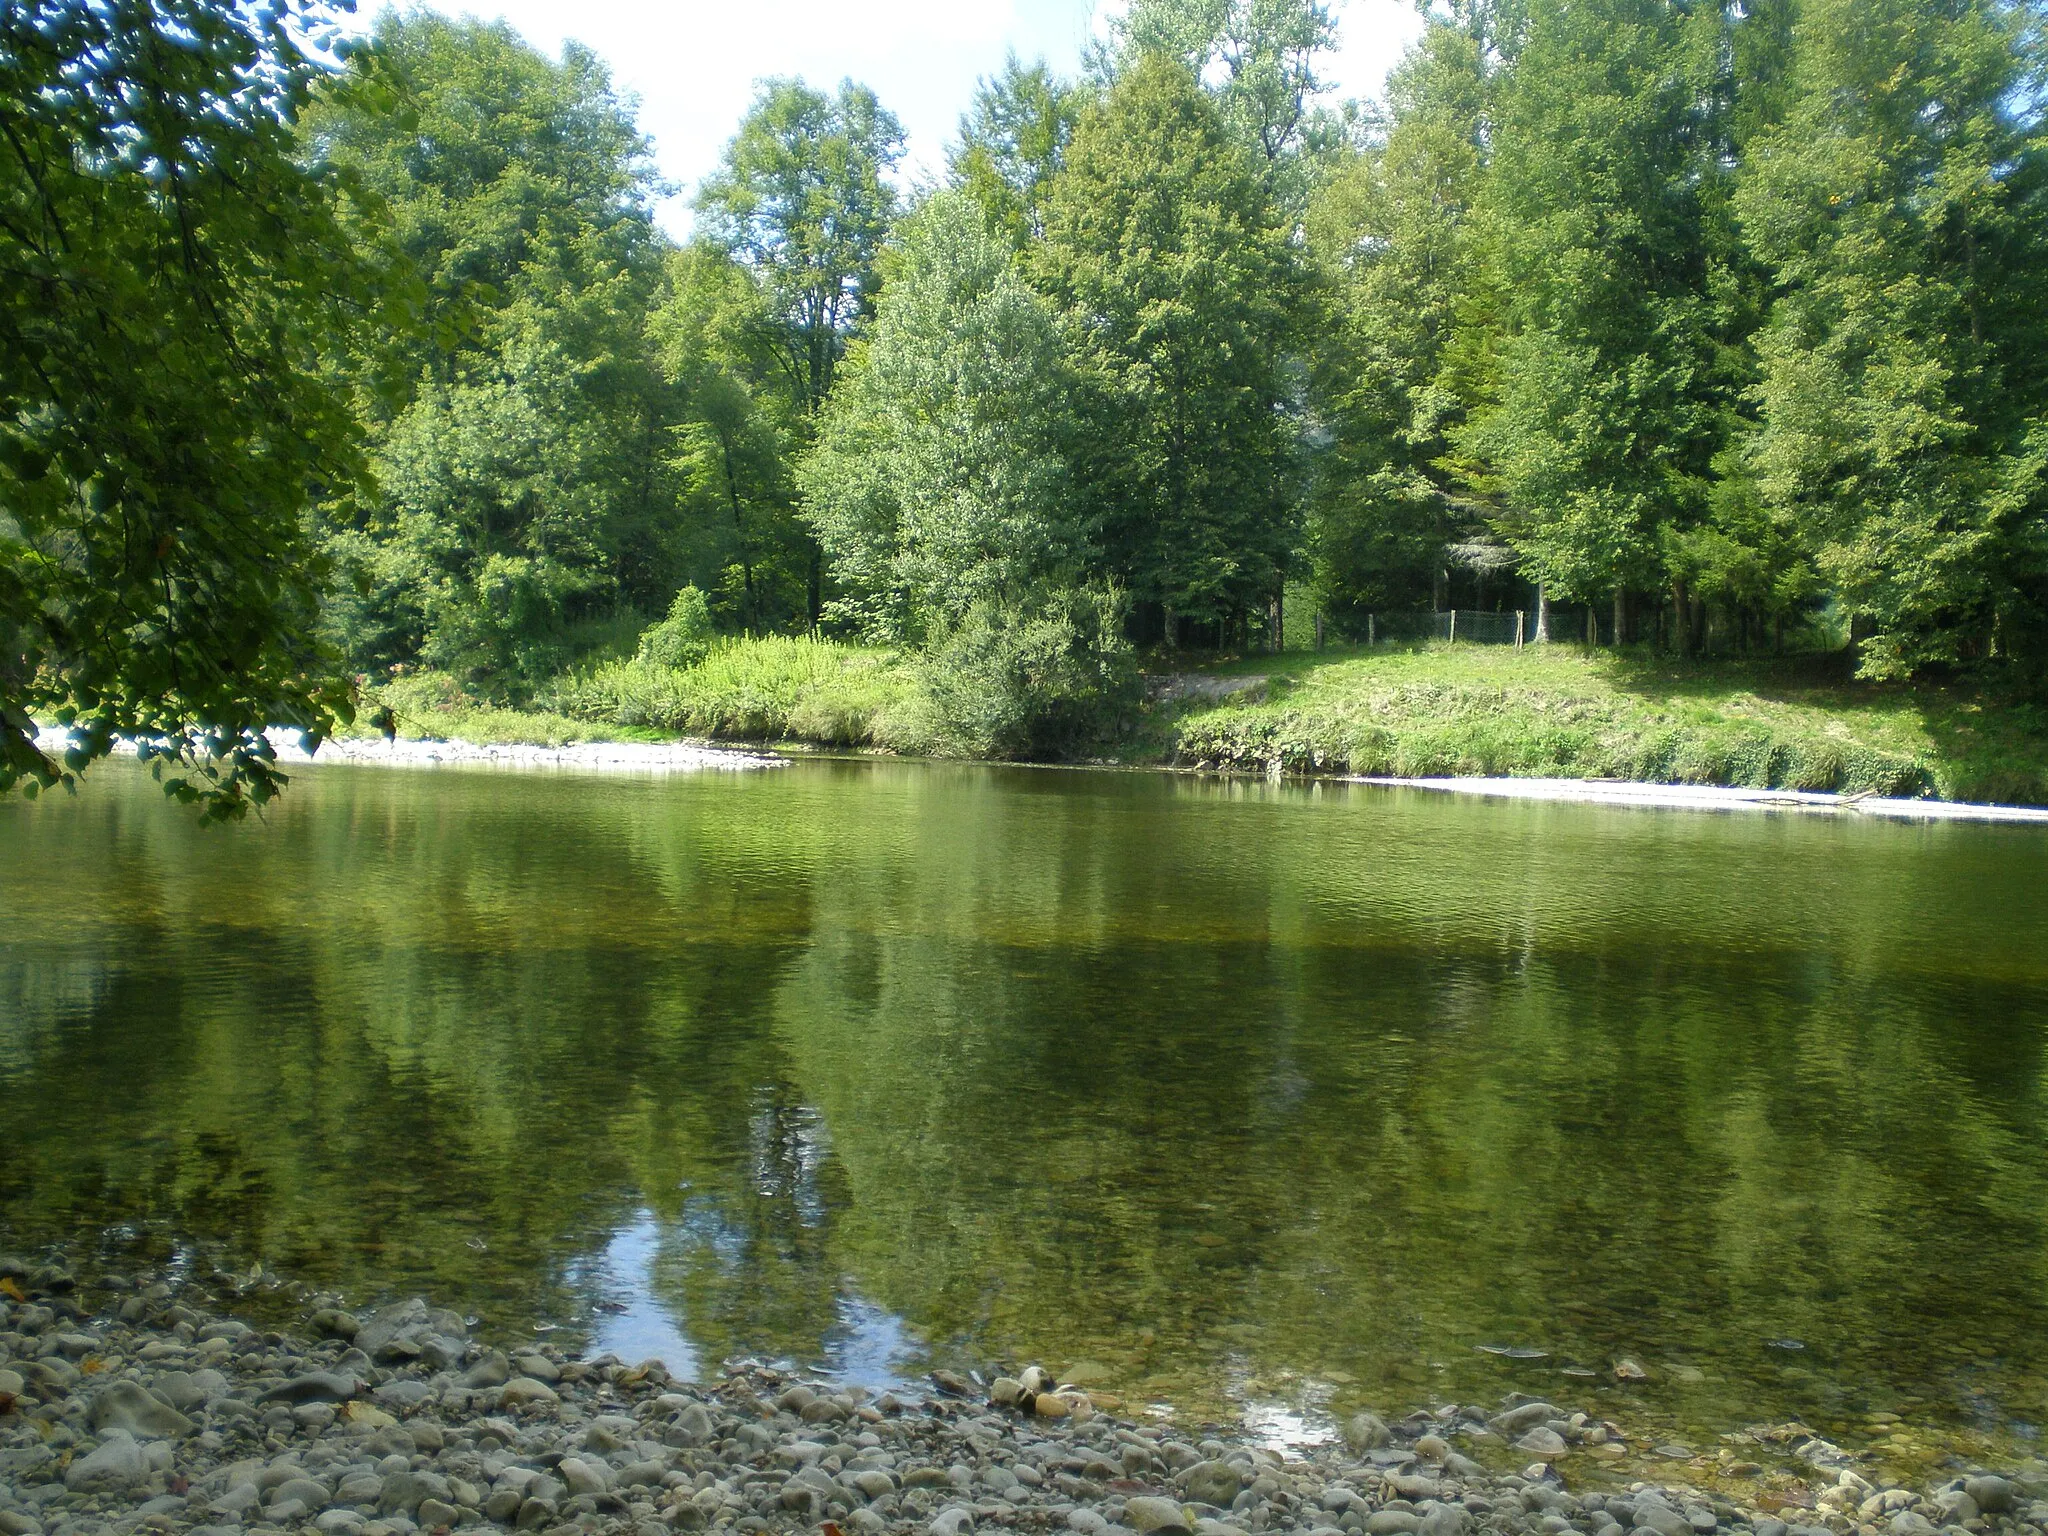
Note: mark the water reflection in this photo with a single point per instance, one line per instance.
(1251, 1100)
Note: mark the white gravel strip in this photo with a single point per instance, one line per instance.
(407, 752)
(1708, 797)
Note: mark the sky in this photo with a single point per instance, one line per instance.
(693, 63)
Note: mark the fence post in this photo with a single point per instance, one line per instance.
(1518, 628)
(1370, 637)
(1454, 626)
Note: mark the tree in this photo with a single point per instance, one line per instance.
(939, 480)
(1609, 400)
(1390, 234)
(1261, 56)
(802, 200)
(1013, 140)
(173, 277)
(1179, 294)
(525, 478)
(1904, 397)
(738, 434)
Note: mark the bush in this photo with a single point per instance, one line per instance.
(683, 638)
(1031, 684)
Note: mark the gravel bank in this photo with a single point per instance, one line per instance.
(410, 752)
(129, 1407)
(1710, 797)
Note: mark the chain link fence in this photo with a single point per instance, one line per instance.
(1474, 626)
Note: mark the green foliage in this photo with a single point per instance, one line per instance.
(737, 437)
(803, 203)
(939, 482)
(173, 277)
(1262, 54)
(1390, 237)
(525, 477)
(1605, 415)
(1558, 711)
(1904, 397)
(1013, 140)
(1180, 294)
(1042, 682)
(681, 639)
(775, 688)
(802, 200)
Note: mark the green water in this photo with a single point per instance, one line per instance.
(1263, 1100)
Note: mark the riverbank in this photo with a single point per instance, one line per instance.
(135, 1402)
(1796, 725)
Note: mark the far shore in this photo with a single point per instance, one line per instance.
(683, 756)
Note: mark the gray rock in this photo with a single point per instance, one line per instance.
(1662, 1519)
(1445, 1520)
(1366, 1432)
(433, 1514)
(402, 1491)
(1544, 1443)
(114, 1467)
(309, 1493)
(13, 1523)
(1956, 1507)
(579, 1476)
(404, 1393)
(1212, 1482)
(524, 1391)
(1907, 1523)
(494, 1370)
(1392, 1522)
(1994, 1495)
(186, 1390)
(1516, 1420)
(314, 1387)
(951, 1522)
(1147, 1514)
(126, 1405)
(541, 1368)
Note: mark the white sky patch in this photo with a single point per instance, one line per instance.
(693, 64)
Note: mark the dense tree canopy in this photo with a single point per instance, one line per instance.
(174, 279)
(1178, 286)
(940, 480)
(525, 477)
(1723, 324)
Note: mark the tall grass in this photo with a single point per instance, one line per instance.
(774, 688)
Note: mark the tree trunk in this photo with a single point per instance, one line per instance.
(1681, 606)
(1542, 613)
(1620, 615)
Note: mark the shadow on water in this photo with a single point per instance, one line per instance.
(1254, 1100)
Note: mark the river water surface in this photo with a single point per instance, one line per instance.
(1244, 1100)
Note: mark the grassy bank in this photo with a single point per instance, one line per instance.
(1559, 711)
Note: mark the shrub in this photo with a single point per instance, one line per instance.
(684, 637)
(1034, 683)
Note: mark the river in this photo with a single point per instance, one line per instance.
(1241, 1101)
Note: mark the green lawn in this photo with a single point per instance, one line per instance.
(1563, 711)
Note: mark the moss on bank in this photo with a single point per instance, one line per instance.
(1558, 711)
